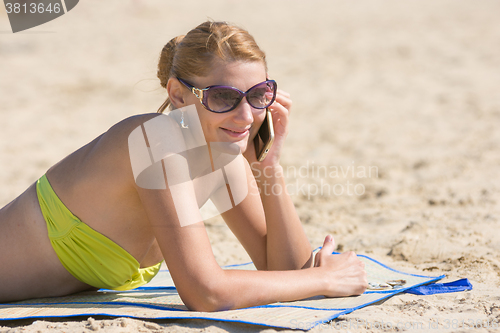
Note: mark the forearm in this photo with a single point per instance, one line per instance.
(287, 244)
(241, 288)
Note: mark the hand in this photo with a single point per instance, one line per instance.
(345, 272)
(280, 111)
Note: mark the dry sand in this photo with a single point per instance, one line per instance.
(408, 91)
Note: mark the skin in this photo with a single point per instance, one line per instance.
(145, 223)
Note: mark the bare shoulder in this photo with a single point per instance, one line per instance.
(119, 134)
(122, 129)
(113, 145)
(102, 163)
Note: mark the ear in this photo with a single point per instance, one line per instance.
(176, 92)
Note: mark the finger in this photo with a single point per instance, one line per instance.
(326, 249)
(352, 256)
(328, 244)
(280, 109)
(281, 113)
(285, 101)
(284, 93)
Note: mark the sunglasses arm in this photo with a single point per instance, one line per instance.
(198, 93)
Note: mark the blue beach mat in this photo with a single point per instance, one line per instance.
(441, 288)
(159, 300)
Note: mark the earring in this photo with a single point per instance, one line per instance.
(183, 124)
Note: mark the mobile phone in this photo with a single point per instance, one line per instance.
(266, 135)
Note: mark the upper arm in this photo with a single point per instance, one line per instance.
(169, 200)
(186, 249)
(248, 222)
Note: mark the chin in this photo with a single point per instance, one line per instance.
(243, 145)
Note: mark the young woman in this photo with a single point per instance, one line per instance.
(86, 223)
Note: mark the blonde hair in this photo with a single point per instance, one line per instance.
(192, 54)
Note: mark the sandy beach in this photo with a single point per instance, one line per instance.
(393, 148)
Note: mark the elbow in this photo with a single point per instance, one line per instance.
(208, 298)
(207, 306)
(200, 305)
(203, 303)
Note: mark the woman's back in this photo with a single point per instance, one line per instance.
(96, 184)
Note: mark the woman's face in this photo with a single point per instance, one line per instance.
(241, 124)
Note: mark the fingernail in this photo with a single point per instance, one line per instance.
(329, 238)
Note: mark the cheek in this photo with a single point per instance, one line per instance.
(209, 124)
(206, 123)
(259, 119)
(211, 128)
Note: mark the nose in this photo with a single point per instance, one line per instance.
(243, 114)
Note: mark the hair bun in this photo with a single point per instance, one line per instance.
(167, 59)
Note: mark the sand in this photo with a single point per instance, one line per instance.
(393, 146)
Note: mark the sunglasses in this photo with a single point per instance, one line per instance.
(224, 98)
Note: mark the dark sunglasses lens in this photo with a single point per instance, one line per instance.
(262, 95)
(222, 99)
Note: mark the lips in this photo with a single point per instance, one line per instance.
(236, 132)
